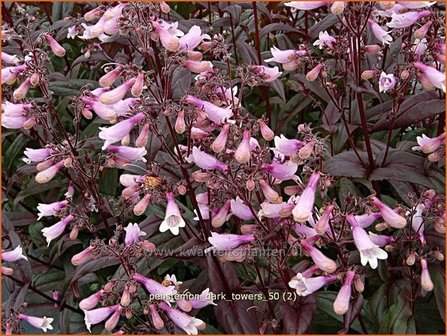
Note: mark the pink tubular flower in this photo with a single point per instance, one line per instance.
(306, 5)
(166, 33)
(192, 38)
(266, 131)
(57, 229)
(229, 241)
(392, 218)
(407, 19)
(214, 113)
(128, 180)
(323, 262)
(426, 282)
(417, 222)
(82, 257)
(189, 324)
(10, 59)
(380, 240)
(56, 48)
(15, 110)
(133, 234)
(50, 209)
(267, 74)
(110, 77)
(288, 58)
(114, 319)
(221, 216)
(338, 7)
(180, 125)
(98, 315)
(91, 301)
(129, 153)
(115, 95)
(143, 137)
(220, 142)
(436, 77)
(287, 146)
(367, 219)
(137, 87)
(13, 122)
(206, 161)
(323, 223)
(381, 34)
(48, 174)
(240, 210)
(9, 74)
(305, 286)
(157, 321)
(117, 132)
(422, 31)
(36, 155)
(142, 204)
(270, 194)
(269, 210)
(324, 40)
(281, 171)
(242, 154)
(203, 300)
(43, 323)
(173, 220)
(386, 82)
(303, 208)
(22, 90)
(13, 255)
(369, 252)
(198, 66)
(341, 303)
(154, 287)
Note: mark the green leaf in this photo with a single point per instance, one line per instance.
(399, 318)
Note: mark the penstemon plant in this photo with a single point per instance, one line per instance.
(223, 167)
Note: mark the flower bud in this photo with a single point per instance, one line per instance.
(368, 74)
(381, 226)
(56, 48)
(422, 31)
(338, 7)
(147, 246)
(87, 113)
(372, 48)
(157, 321)
(34, 80)
(137, 87)
(426, 282)
(411, 259)
(359, 284)
(341, 303)
(220, 142)
(198, 67)
(439, 255)
(181, 189)
(129, 191)
(270, 195)
(48, 174)
(141, 206)
(312, 75)
(200, 176)
(82, 256)
(44, 165)
(180, 125)
(404, 74)
(164, 7)
(113, 96)
(250, 184)
(266, 131)
(110, 77)
(114, 319)
(7, 270)
(220, 218)
(74, 232)
(22, 90)
(242, 154)
(306, 151)
(29, 123)
(143, 137)
(125, 298)
(93, 14)
(125, 141)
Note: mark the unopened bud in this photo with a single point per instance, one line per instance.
(439, 255)
(368, 74)
(411, 259)
(359, 285)
(74, 232)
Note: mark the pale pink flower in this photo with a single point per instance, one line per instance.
(157, 321)
(407, 19)
(47, 175)
(386, 82)
(142, 205)
(98, 315)
(215, 113)
(198, 133)
(203, 300)
(56, 48)
(57, 229)
(323, 223)
(154, 287)
(167, 35)
(129, 153)
(114, 319)
(288, 58)
(418, 222)
(43, 323)
(111, 27)
(278, 210)
(426, 282)
(391, 217)
(189, 324)
(198, 66)
(380, 240)
(110, 77)
(242, 154)
(269, 193)
(304, 231)
(192, 38)
(15, 110)
(22, 90)
(13, 255)
(429, 145)
(220, 142)
(436, 77)
(367, 219)
(91, 301)
(306, 5)
(422, 31)
(133, 234)
(372, 48)
(417, 4)
(82, 257)
(72, 32)
(381, 34)
(9, 74)
(50, 209)
(117, 132)
(221, 216)
(267, 74)
(143, 137)
(240, 210)
(13, 122)
(369, 252)
(117, 94)
(323, 262)
(266, 131)
(128, 180)
(303, 208)
(341, 303)
(10, 59)
(324, 40)
(287, 146)
(137, 87)
(173, 220)
(206, 161)
(229, 241)
(36, 155)
(305, 286)
(281, 171)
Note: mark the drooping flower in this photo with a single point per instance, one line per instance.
(323, 262)
(267, 74)
(368, 74)
(98, 315)
(215, 113)
(369, 252)
(220, 142)
(43, 323)
(36, 155)
(157, 321)
(13, 255)
(367, 219)
(206, 161)
(288, 58)
(305, 286)
(422, 31)
(189, 324)
(9, 74)
(380, 240)
(117, 132)
(324, 40)
(10, 59)
(117, 94)
(303, 208)
(323, 223)
(287, 146)
(381, 34)
(129, 153)
(22, 90)
(341, 303)
(305, 5)
(198, 66)
(47, 175)
(56, 48)
(417, 222)
(407, 19)
(142, 204)
(50, 209)
(167, 35)
(242, 154)
(240, 209)
(110, 77)
(133, 233)
(154, 287)
(82, 257)
(266, 131)
(386, 82)
(281, 171)
(391, 217)
(436, 77)
(229, 241)
(426, 282)
(192, 38)
(221, 216)
(173, 219)
(57, 229)
(91, 301)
